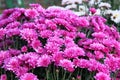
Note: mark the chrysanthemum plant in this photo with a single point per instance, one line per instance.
(56, 44)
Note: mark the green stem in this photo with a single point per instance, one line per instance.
(91, 75)
(11, 76)
(16, 38)
(115, 75)
(32, 70)
(81, 73)
(69, 76)
(57, 72)
(47, 74)
(0, 71)
(54, 73)
(64, 75)
(4, 46)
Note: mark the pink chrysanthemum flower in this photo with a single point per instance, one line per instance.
(3, 77)
(44, 61)
(2, 32)
(67, 65)
(12, 64)
(93, 10)
(102, 76)
(28, 34)
(4, 55)
(35, 44)
(57, 57)
(31, 13)
(73, 52)
(99, 35)
(24, 49)
(28, 76)
(98, 55)
(97, 46)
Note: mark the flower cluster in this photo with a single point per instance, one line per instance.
(38, 38)
(83, 7)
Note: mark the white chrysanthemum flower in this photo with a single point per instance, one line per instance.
(72, 6)
(104, 5)
(82, 10)
(66, 2)
(79, 13)
(58, 7)
(116, 16)
(92, 2)
(108, 12)
(98, 12)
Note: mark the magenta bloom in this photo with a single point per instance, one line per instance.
(3, 77)
(67, 65)
(28, 34)
(43, 61)
(35, 38)
(2, 32)
(24, 49)
(31, 13)
(97, 46)
(102, 76)
(73, 52)
(28, 76)
(92, 10)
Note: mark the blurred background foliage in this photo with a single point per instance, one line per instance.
(5, 4)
